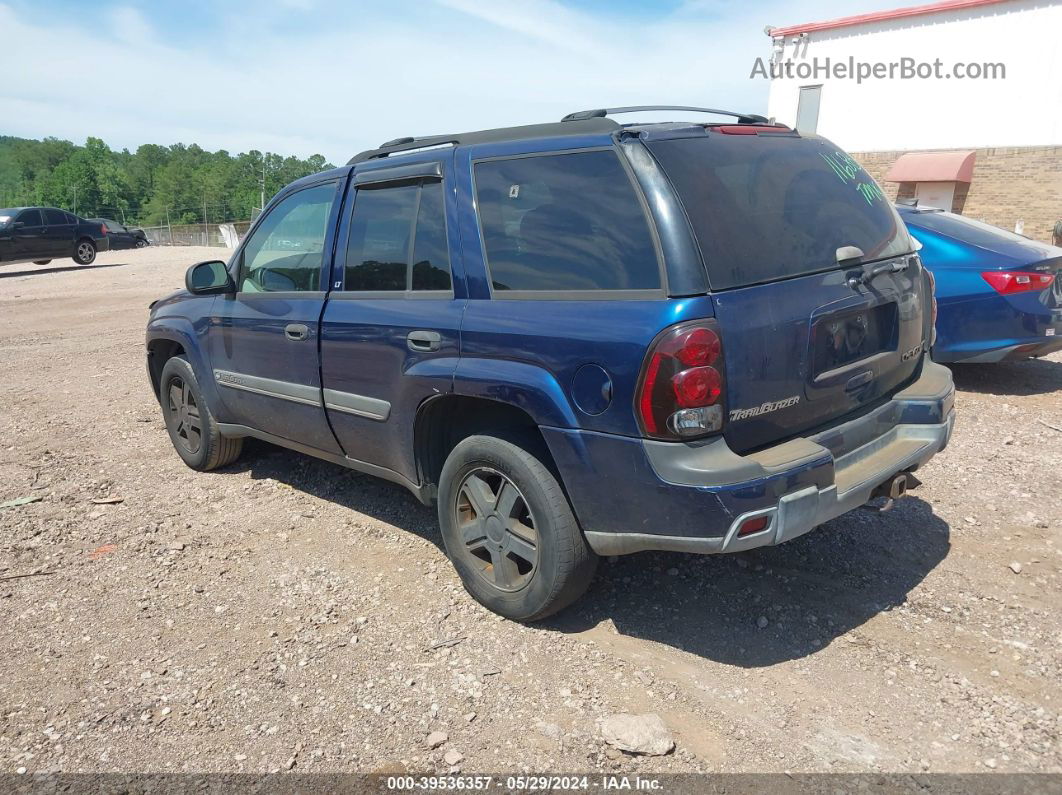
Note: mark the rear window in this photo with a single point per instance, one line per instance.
(768, 207)
(569, 222)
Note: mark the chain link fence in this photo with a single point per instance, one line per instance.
(225, 235)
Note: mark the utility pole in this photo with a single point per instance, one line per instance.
(206, 229)
(75, 200)
(168, 226)
(261, 206)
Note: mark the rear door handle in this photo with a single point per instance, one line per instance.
(296, 331)
(422, 341)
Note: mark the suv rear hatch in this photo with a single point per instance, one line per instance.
(808, 339)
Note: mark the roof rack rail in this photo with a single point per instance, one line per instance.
(402, 145)
(743, 118)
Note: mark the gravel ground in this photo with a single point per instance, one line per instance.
(284, 613)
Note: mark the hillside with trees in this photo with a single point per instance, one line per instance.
(151, 186)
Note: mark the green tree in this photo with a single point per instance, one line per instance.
(147, 185)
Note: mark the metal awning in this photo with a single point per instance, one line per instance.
(932, 167)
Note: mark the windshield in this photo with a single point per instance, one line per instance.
(768, 207)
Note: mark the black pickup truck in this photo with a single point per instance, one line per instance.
(41, 234)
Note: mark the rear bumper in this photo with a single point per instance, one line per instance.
(634, 495)
(1007, 353)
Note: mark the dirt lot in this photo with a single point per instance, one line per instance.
(282, 613)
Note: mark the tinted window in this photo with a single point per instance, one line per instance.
(70, 219)
(768, 207)
(55, 217)
(564, 222)
(30, 217)
(285, 251)
(431, 259)
(378, 246)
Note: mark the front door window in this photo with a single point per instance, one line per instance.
(285, 252)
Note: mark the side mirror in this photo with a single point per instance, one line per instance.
(209, 278)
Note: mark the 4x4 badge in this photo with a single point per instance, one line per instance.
(764, 408)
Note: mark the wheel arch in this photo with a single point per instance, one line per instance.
(169, 339)
(442, 422)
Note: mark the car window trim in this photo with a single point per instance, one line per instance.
(580, 295)
(364, 295)
(236, 264)
(288, 294)
(431, 169)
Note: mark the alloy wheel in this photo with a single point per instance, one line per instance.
(498, 532)
(185, 412)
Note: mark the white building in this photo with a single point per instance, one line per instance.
(969, 90)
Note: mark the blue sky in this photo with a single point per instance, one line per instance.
(308, 76)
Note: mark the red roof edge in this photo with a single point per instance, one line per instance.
(878, 16)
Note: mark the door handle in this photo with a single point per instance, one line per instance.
(296, 331)
(422, 341)
(857, 382)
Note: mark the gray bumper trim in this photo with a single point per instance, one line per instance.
(857, 474)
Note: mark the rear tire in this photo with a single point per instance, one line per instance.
(140, 242)
(190, 422)
(41, 261)
(85, 252)
(509, 530)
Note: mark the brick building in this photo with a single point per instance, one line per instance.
(975, 123)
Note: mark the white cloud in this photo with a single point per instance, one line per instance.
(129, 25)
(334, 83)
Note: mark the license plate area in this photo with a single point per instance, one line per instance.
(852, 335)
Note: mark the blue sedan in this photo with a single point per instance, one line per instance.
(999, 294)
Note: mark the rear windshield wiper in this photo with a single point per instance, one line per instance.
(867, 276)
(851, 253)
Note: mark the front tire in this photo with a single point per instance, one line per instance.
(140, 242)
(85, 252)
(190, 422)
(509, 530)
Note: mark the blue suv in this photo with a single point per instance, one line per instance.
(578, 339)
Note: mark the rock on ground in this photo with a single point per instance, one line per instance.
(638, 734)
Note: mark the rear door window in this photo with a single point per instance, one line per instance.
(769, 207)
(431, 258)
(564, 222)
(397, 240)
(55, 217)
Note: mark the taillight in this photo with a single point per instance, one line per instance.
(681, 390)
(104, 228)
(1010, 282)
